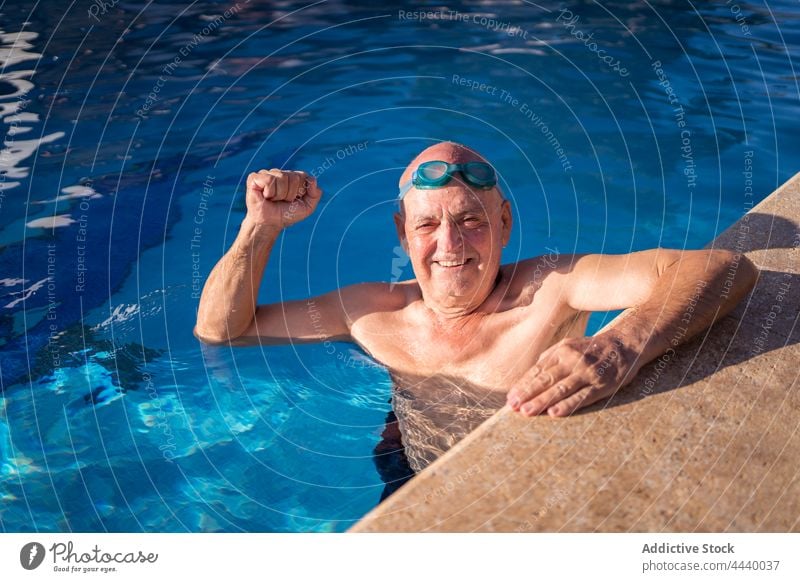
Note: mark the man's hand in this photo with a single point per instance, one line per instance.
(573, 373)
(669, 297)
(279, 198)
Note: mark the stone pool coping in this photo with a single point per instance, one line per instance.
(708, 441)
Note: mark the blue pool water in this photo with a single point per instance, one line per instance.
(129, 132)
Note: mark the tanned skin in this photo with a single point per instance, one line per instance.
(516, 329)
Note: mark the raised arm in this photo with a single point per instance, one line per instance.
(669, 296)
(275, 200)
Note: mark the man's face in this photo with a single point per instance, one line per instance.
(455, 235)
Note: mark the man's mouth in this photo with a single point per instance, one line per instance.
(452, 264)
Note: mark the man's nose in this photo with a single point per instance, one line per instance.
(450, 236)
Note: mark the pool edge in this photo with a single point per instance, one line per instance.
(656, 459)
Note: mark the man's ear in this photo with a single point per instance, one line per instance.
(507, 221)
(400, 225)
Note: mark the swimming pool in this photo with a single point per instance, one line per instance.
(130, 131)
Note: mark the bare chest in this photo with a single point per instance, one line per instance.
(492, 352)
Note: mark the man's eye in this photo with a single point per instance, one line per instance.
(472, 221)
(426, 225)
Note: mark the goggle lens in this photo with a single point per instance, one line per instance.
(432, 171)
(436, 173)
(479, 173)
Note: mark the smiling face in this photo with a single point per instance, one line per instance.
(454, 235)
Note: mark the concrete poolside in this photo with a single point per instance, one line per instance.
(707, 440)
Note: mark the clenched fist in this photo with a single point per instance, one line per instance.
(280, 198)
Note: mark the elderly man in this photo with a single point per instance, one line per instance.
(469, 335)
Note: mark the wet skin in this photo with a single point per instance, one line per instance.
(513, 331)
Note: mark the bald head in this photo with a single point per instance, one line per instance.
(445, 151)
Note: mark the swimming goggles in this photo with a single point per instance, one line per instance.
(435, 174)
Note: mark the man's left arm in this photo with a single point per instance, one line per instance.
(669, 296)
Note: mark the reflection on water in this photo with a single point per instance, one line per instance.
(435, 413)
(111, 414)
(15, 85)
(227, 449)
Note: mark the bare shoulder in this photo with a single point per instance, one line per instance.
(535, 275)
(363, 299)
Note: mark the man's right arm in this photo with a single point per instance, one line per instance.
(228, 302)
(228, 312)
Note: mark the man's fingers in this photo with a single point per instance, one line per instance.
(545, 355)
(313, 191)
(262, 184)
(562, 390)
(295, 189)
(540, 380)
(571, 374)
(281, 184)
(589, 395)
(257, 183)
(295, 193)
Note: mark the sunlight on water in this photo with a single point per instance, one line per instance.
(127, 137)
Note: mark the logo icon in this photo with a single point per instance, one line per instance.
(31, 555)
(399, 262)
